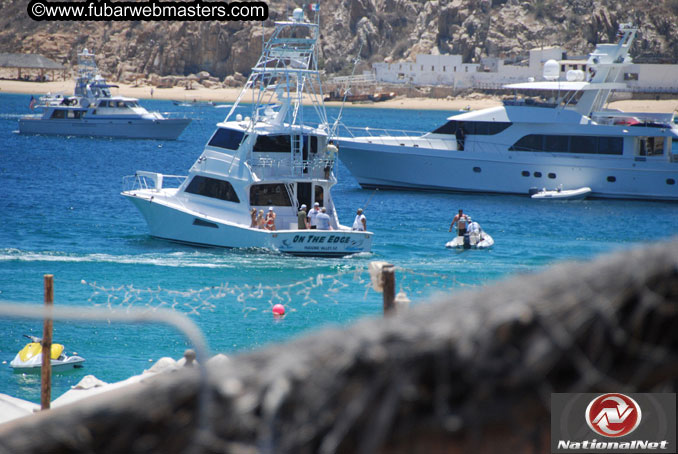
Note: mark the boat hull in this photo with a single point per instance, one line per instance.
(161, 129)
(565, 194)
(458, 243)
(417, 168)
(172, 223)
(35, 364)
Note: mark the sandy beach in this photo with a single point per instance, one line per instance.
(227, 95)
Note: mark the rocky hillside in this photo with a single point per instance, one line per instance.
(386, 30)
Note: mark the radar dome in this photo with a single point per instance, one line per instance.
(575, 75)
(551, 70)
(298, 14)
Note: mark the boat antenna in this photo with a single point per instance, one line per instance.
(346, 90)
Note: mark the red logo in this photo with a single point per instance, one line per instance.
(613, 415)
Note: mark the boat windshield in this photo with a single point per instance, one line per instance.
(478, 128)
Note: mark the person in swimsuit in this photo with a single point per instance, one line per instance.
(253, 215)
(462, 223)
(260, 219)
(270, 219)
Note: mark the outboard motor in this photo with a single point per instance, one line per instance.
(467, 241)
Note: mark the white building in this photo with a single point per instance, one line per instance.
(448, 70)
(427, 70)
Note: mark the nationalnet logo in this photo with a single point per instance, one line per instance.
(613, 422)
(613, 415)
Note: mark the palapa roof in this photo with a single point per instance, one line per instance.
(28, 61)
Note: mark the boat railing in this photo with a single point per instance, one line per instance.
(143, 180)
(400, 137)
(318, 168)
(646, 119)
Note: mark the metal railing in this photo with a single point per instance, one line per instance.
(401, 137)
(270, 167)
(142, 180)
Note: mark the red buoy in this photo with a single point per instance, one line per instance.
(278, 310)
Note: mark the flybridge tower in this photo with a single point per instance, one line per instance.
(285, 74)
(606, 66)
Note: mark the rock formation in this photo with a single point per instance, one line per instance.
(379, 29)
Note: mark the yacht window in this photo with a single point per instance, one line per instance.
(577, 144)
(121, 103)
(611, 179)
(58, 113)
(478, 128)
(556, 144)
(103, 103)
(273, 144)
(670, 181)
(213, 188)
(313, 143)
(552, 176)
(270, 194)
(227, 138)
(583, 144)
(130, 104)
(525, 173)
(651, 146)
(610, 145)
(532, 142)
(537, 174)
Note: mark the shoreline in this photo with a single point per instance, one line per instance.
(474, 101)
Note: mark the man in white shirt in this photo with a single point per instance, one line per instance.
(313, 214)
(360, 223)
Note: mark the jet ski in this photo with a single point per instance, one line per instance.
(474, 238)
(30, 357)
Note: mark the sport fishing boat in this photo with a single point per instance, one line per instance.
(93, 111)
(569, 140)
(30, 357)
(268, 160)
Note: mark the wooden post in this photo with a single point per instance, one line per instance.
(388, 281)
(46, 369)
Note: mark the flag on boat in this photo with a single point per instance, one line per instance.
(314, 7)
(31, 105)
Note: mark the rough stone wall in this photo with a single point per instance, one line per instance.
(386, 29)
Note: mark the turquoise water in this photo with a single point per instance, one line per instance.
(61, 213)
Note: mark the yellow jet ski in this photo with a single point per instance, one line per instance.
(30, 357)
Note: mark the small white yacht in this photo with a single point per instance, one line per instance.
(267, 159)
(570, 141)
(93, 111)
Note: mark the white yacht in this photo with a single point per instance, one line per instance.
(93, 111)
(267, 159)
(570, 142)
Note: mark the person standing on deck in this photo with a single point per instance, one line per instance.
(360, 222)
(313, 214)
(462, 223)
(302, 218)
(323, 220)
